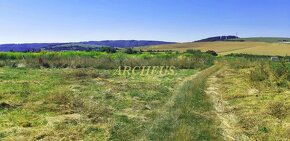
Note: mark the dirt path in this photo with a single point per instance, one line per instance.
(187, 115)
(228, 121)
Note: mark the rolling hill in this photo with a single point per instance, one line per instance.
(218, 38)
(78, 45)
(262, 39)
(227, 47)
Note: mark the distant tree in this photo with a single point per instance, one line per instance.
(151, 51)
(113, 50)
(141, 51)
(104, 49)
(130, 51)
(89, 49)
(108, 49)
(33, 50)
(169, 51)
(211, 52)
(120, 57)
(191, 51)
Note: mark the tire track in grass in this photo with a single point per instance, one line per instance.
(189, 114)
(228, 121)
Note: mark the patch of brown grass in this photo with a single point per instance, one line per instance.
(223, 48)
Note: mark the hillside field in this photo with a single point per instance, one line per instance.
(223, 48)
(263, 39)
(83, 96)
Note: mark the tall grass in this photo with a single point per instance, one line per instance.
(101, 60)
(263, 71)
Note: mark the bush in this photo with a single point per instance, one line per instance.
(211, 52)
(195, 52)
(131, 51)
(108, 49)
(281, 70)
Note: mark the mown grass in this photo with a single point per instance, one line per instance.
(80, 104)
(189, 116)
(257, 92)
(77, 96)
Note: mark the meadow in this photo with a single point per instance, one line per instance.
(103, 60)
(78, 95)
(81, 104)
(253, 99)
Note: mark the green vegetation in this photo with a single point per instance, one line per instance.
(190, 116)
(78, 96)
(256, 93)
(103, 60)
(80, 104)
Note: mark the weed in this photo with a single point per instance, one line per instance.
(278, 110)
(259, 74)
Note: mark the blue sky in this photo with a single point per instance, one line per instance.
(26, 21)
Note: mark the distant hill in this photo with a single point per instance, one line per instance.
(126, 43)
(218, 38)
(251, 39)
(89, 45)
(228, 47)
(26, 47)
(73, 46)
(262, 39)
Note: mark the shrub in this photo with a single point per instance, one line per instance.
(281, 70)
(240, 63)
(108, 49)
(211, 52)
(120, 58)
(195, 52)
(130, 51)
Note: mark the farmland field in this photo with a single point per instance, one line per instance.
(223, 48)
(83, 96)
(263, 39)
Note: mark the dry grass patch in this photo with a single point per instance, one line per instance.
(257, 48)
(261, 109)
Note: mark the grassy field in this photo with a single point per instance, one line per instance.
(253, 101)
(69, 96)
(75, 104)
(79, 96)
(190, 114)
(103, 60)
(223, 48)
